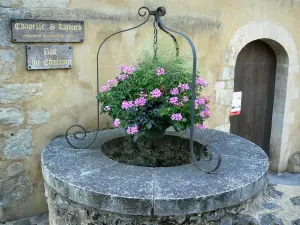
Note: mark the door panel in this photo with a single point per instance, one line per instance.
(255, 76)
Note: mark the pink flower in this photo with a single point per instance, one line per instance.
(105, 88)
(200, 81)
(112, 82)
(156, 93)
(173, 100)
(106, 108)
(207, 112)
(140, 101)
(116, 123)
(127, 69)
(132, 130)
(184, 87)
(202, 114)
(199, 101)
(127, 104)
(185, 99)
(130, 69)
(176, 116)
(209, 98)
(174, 91)
(206, 107)
(201, 126)
(123, 77)
(160, 71)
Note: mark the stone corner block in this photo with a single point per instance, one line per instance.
(11, 116)
(9, 3)
(19, 145)
(294, 163)
(38, 117)
(7, 64)
(14, 93)
(224, 97)
(227, 73)
(45, 3)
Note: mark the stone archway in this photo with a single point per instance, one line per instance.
(287, 67)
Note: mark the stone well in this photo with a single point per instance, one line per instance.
(117, 182)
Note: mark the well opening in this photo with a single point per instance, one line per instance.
(166, 152)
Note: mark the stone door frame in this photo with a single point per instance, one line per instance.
(285, 91)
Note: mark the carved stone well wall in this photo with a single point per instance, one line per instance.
(102, 185)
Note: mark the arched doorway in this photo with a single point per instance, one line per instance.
(255, 73)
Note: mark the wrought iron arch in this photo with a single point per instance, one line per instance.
(158, 13)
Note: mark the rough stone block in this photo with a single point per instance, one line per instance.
(41, 219)
(295, 200)
(224, 97)
(7, 64)
(227, 73)
(19, 144)
(11, 116)
(12, 170)
(9, 3)
(270, 205)
(296, 222)
(294, 163)
(226, 221)
(6, 14)
(45, 3)
(270, 219)
(219, 85)
(230, 84)
(215, 216)
(15, 184)
(19, 92)
(38, 117)
(244, 219)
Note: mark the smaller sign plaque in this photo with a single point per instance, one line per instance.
(41, 57)
(236, 104)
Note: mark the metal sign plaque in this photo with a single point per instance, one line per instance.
(47, 31)
(40, 57)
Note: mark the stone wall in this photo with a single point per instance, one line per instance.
(76, 213)
(36, 106)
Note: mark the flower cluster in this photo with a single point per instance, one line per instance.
(127, 104)
(160, 71)
(176, 116)
(156, 93)
(149, 97)
(132, 130)
(141, 101)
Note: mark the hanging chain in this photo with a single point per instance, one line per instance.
(155, 47)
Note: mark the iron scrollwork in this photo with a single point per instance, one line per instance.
(210, 150)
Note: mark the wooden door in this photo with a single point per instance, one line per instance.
(255, 76)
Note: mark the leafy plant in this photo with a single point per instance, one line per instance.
(154, 96)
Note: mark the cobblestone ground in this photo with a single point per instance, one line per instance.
(37, 220)
(281, 206)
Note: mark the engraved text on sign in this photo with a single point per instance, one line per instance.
(49, 57)
(47, 31)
